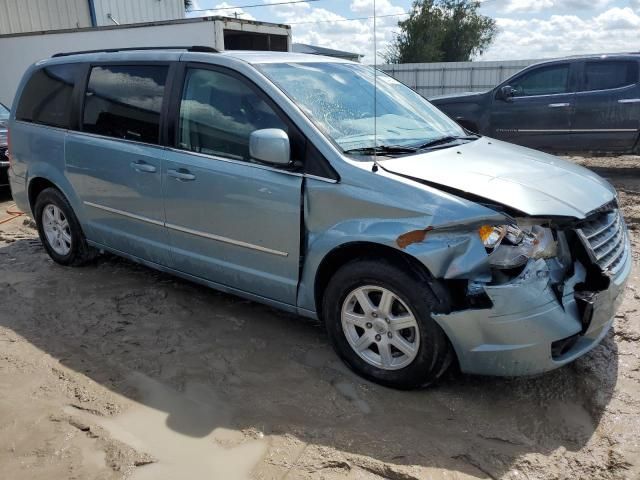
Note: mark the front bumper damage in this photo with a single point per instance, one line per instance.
(532, 326)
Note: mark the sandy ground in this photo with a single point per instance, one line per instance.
(115, 370)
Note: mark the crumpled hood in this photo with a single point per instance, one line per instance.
(527, 180)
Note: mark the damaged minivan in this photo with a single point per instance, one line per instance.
(324, 189)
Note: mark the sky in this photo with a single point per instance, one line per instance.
(527, 29)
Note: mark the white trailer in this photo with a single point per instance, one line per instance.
(18, 51)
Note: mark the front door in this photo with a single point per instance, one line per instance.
(230, 220)
(539, 113)
(115, 163)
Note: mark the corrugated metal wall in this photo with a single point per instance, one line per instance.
(138, 11)
(18, 16)
(430, 79)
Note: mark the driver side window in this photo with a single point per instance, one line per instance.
(218, 113)
(542, 81)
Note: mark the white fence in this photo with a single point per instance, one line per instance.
(430, 79)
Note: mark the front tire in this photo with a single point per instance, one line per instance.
(378, 318)
(60, 231)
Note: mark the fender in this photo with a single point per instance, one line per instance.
(439, 237)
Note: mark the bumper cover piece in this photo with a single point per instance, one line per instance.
(519, 335)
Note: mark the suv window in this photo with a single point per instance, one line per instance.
(218, 113)
(543, 81)
(46, 98)
(124, 101)
(603, 75)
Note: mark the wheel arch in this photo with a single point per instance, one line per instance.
(350, 251)
(36, 186)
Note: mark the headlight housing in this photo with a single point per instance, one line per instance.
(511, 246)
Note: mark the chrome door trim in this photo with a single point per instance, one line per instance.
(230, 241)
(604, 130)
(543, 95)
(322, 179)
(42, 125)
(125, 214)
(197, 233)
(600, 90)
(247, 164)
(230, 160)
(575, 130)
(115, 139)
(559, 105)
(629, 100)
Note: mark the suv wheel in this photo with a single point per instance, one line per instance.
(60, 231)
(378, 318)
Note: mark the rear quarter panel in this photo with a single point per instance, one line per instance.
(39, 152)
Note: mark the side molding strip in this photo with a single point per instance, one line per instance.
(226, 240)
(125, 214)
(188, 230)
(575, 130)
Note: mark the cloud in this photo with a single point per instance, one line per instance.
(534, 6)
(383, 7)
(527, 5)
(615, 30)
(224, 11)
(323, 27)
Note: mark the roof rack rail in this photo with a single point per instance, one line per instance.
(193, 48)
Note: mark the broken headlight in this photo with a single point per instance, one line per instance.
(511, 246)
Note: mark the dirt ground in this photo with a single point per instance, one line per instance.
(115, 370)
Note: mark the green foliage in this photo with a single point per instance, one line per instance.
(442, 31)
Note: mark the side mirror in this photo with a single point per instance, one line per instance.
(270, 145)
(506, 93)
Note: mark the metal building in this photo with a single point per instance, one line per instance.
(430, 79)
(21, 16)
(110, 12)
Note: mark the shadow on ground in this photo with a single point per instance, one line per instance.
(118, 323)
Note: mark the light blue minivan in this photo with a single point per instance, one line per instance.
(322, 188)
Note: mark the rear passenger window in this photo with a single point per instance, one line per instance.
(219, 112)
(46, 98)
(609, 74)
(124, 101)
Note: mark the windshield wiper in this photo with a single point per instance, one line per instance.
(381, 150)
(442, 141)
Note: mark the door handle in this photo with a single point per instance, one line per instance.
(559, 105)
(182, 174)
(141, 166)
(629, 100)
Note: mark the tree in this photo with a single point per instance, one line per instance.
(442, 31)
(188, 4)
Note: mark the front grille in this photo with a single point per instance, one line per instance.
(605, 237)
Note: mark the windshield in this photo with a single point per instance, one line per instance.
(4, 112)
(339, 99)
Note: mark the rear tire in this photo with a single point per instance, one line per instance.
(60, 231)
(378, 317)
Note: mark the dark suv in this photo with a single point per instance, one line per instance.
(4, 160)
(589, 103)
